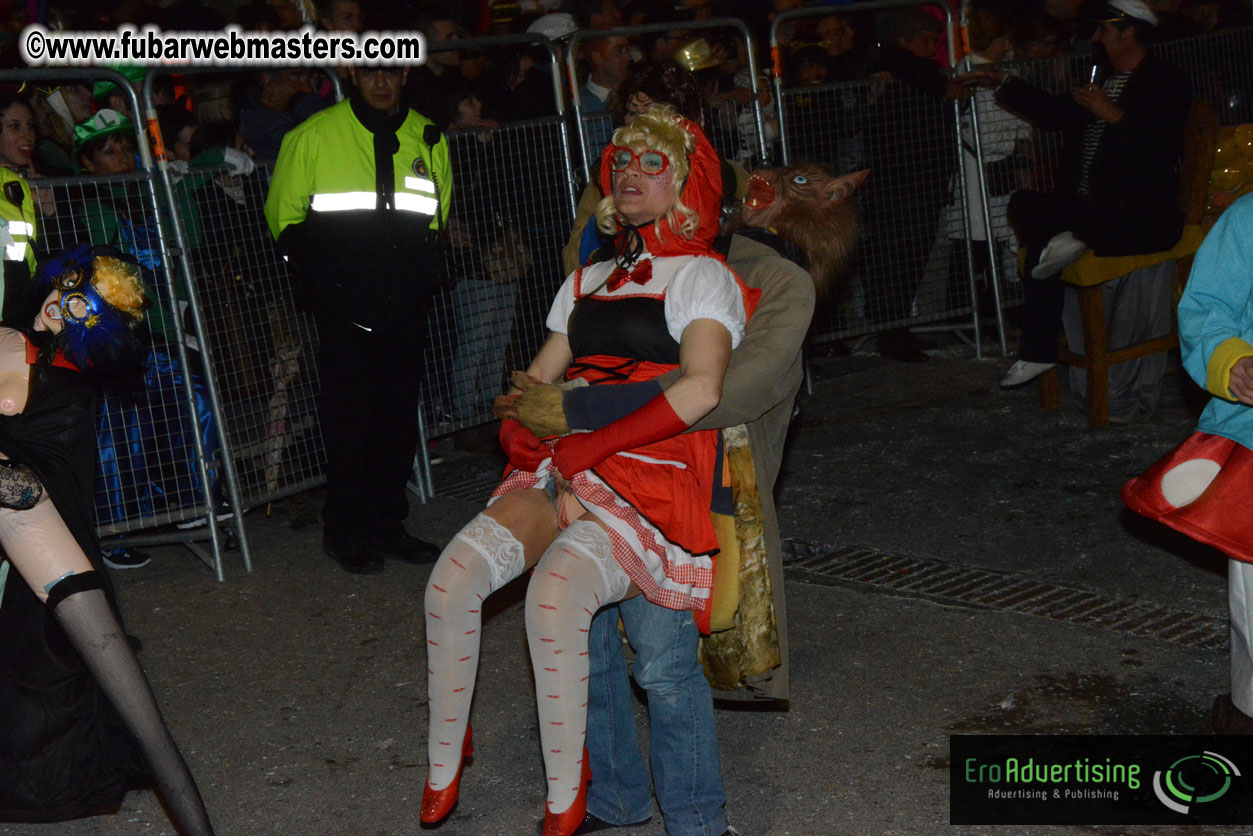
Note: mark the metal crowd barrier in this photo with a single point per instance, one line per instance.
(228, 402)
(913, 267)
(159, 466)
(263, 349)
(510, 219)
(1220, 65)
(256, 349)
(512, 210)
(916, 267)
(734, 137)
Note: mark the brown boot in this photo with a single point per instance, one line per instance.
(1227, 719)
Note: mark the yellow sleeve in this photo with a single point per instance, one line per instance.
(33, 217)
(1224, 358)
(441, 165)
(291, 185)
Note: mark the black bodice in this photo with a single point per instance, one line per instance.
(634, 328)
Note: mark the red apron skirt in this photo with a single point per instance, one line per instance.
(654, 502)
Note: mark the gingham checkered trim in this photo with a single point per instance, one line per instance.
(666, 573)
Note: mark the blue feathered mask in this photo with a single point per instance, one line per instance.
(101, 298)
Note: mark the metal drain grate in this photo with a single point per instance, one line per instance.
(955, 584)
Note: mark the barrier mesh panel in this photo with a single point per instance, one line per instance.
(1221, 68)
(264, 349)
(147, 472)
(902, 274)
(597, 133)
(510, 218)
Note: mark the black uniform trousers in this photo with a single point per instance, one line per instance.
(371, 382)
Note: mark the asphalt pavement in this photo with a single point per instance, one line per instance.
(959, 563)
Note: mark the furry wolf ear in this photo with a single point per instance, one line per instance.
(840, 188)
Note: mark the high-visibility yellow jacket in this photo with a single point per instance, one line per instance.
(361, 249)
(18, 214)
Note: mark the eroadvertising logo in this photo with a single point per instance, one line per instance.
(1097, 779)
(1194, 779)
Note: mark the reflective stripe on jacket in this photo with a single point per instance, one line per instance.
(331, 155)
(19, 221)
(358, 252)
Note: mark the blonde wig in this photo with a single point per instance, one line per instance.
(659, 128)
(119, 284)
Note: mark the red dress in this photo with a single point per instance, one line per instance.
(653, 500)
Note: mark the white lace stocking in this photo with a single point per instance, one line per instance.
(483, 557)
(576, 576)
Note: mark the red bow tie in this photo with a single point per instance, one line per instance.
(642, 274)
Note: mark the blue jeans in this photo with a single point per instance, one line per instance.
(683, 741)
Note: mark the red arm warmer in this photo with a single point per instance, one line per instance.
(653, 421)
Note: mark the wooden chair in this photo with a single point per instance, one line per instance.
(1089, 273)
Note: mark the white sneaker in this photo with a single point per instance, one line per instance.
(1062, 250)
(1024, 371)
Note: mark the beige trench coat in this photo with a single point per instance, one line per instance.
(759, 391)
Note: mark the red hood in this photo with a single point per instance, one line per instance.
(702, 192)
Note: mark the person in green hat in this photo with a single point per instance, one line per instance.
(109, 96)
(105, 144)
(114, 213)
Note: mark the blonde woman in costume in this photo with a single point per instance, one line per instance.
(613, 513)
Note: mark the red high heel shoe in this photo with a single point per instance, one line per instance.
(436, 804)
(564, 824)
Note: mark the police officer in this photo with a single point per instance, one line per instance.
(17, 237)
(359, 193)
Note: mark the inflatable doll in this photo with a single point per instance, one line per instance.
(59, 722)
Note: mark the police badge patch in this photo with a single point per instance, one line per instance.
(419, 166)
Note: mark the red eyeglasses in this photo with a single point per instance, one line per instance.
(651, 162)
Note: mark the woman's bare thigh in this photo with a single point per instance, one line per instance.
(41, 546)
(530, 516)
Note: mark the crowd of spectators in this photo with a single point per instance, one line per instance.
(463, 89)
(234, 116)
(499, 236)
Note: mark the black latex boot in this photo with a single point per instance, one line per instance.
(80, 607)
